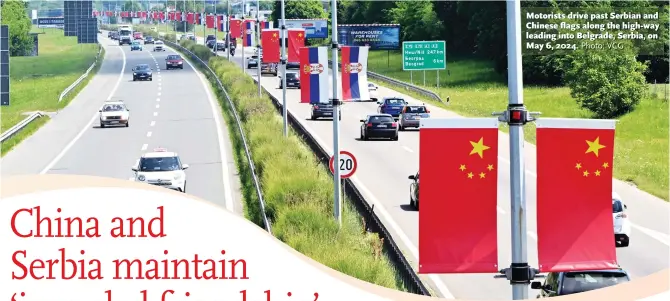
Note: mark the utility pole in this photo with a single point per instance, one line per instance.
(244, 31)
(283, 37)
(228, 37)
(336, 117)
(258, 46)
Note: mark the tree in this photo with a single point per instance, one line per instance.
(15, 16)
(300, 9)
(418, 20)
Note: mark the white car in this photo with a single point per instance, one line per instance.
(159, 46)
(161, 168)
(114, 113)
(372, 88)
(621, 222)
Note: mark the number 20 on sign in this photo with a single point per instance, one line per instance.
(347, 164)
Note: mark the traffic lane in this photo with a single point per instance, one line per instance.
(111, 151)
(33, 154)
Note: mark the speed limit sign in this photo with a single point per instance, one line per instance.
(347, 164)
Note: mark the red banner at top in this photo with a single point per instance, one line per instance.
(210, 21)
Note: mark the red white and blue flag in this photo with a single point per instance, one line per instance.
(248, 34)
(266, 25)
(314, 85)
(355, 73)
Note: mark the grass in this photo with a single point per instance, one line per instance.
(297, 189)
(475, 90)
(36, 82)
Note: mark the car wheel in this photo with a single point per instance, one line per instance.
(184, 190)
(127, 124)
(395, 138)
(182, 67)
(151, 79)
(134, 79)
(400, 127)
(102, 125)
(411, 201)
(312, 117)
(625, 242)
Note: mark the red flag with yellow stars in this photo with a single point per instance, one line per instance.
(574, 194)
(458, 166)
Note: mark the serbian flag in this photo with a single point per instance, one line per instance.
(355, 73)
(198, 18)
(219, 23)
(235, 27)
(210, 21)
(574, 184)
(110, 13)
(458, 226)
(266, 25)
(270, 41)
(296, 40)
(314, 85)
(248, 35)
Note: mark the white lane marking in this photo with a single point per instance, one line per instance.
(661, 237)
(144, 147)
(227, 190)
(500, 210)
(88, 125)
(159, 93)
(407, 149)
(158, 99)
(152, 123)
(159, 87)
(148, 134)
(158, 106)
(159, 79)
(155, 114)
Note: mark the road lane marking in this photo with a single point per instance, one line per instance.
(661, 237)
(152, 123)
(155, 114)
(158, 106)
(148, 134)
(159, 93)
(90, 123)
(159, 87)
(144, 147)
(407, 149)
(158, 99)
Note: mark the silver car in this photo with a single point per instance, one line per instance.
(411, 114)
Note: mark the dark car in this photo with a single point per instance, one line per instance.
(292, 80)
(142, 72)
(567, 283)
(292, 66)
(149, 40)
(414, 191)
(174, 61)
(379, 126)
(320, 110)
(220, 46)
(210, 40)
(210, 44)
(391, 105)
(113, 35)
(252, 62)
(109, 34)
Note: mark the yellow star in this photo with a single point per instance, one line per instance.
(482, 175)
(594, 146)
(274, 35)
(300, 35)
(586, 173)
(578, 166)
(462, 168)
(606, 165)
(478, 147)
(597, 173)
(470, 175)
(490, 167)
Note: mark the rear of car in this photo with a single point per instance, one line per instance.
(137, 36)
(622, 226)
(372, 90)
(411, 115)
(322, 110)
(210, 41)
(269, 68)
(392, 106)
(135, 46)
(292, 80)
(379, 126)
(174, 62)
(220, 46)
(252, 62)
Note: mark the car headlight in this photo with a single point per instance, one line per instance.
(141, 178)
(134, 73)
(179, 63)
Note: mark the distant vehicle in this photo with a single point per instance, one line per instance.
(138, 35)
(320, 110)
(269, 68)
(209, 38)
(379, 126)
(220, 46)
(113, 35)
(568, 283)
(109, 34)
(125, 33)
(372, 89)
(114, 113)
(142, 72)
(149, 40)
(621, 223)
(292, 80)
(293, 66)
(136, 46)
(414, 191)
(210, 44)
(391, 105)
(159, 46)
(161, 168)
(411, 115)
(174, 61)
(252, 62)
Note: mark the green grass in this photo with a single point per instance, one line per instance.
(36, 82)
(297, 189)
(474, 89)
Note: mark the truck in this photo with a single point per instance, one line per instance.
(125, 34)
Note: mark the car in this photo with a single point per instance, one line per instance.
(113, 35)
(292, 80)
(293, 66)
(252, 62)
(142, 72)
(137, 36)
(161, 168)
(391, 105)
(210, 44)
(379, 126)
(125, 39)
(411, 114)
(109, 34)
(372, 89)
(136, 46)
(114, 113)
(220, 46)
(149, 40)
(174, 61)
(414, 191)
(568, 283)
(622, 227)
(270, 68)
(159, 46)
(210, 40)
(319, 110)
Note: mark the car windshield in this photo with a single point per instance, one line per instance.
(149, 38)
(113, 108)
(159, 164)
(291, 75)
(125, 32)
(173, 57)
(617, 206)
(577, 282)
(395, 102)
(159, 43)
(371, 85)
(416, 109)
(142, 68)
(380, 119)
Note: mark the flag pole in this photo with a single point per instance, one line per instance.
(228, 39)
(337, 209)
(284, 37)
(244, 31)
(258, 46)
(520, 273)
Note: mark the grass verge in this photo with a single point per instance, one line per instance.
(476, 90)
(36, 82)
(297, 188)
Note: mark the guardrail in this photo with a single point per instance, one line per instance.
(19, 126)
(82, 77)
(373, 224)
(401, 84)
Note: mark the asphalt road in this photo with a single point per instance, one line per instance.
(382, 177)
(176, 111)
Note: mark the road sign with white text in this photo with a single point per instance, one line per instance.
(424, 55)
(347, 164)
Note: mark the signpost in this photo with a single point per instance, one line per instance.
(347, 165)
(424, 55)
(4, 65)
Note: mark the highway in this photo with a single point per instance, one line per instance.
(176, 110)
(383, 167)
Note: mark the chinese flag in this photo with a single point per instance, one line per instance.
(210, 21)
(296, 40)
(270, 41)
(574, 194)
(235, 28)
(458, 165)
(190, 18)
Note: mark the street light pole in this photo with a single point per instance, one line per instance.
(244, 31)
(227, 39)
(258, 46)
(336, 117)
(283, 60)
